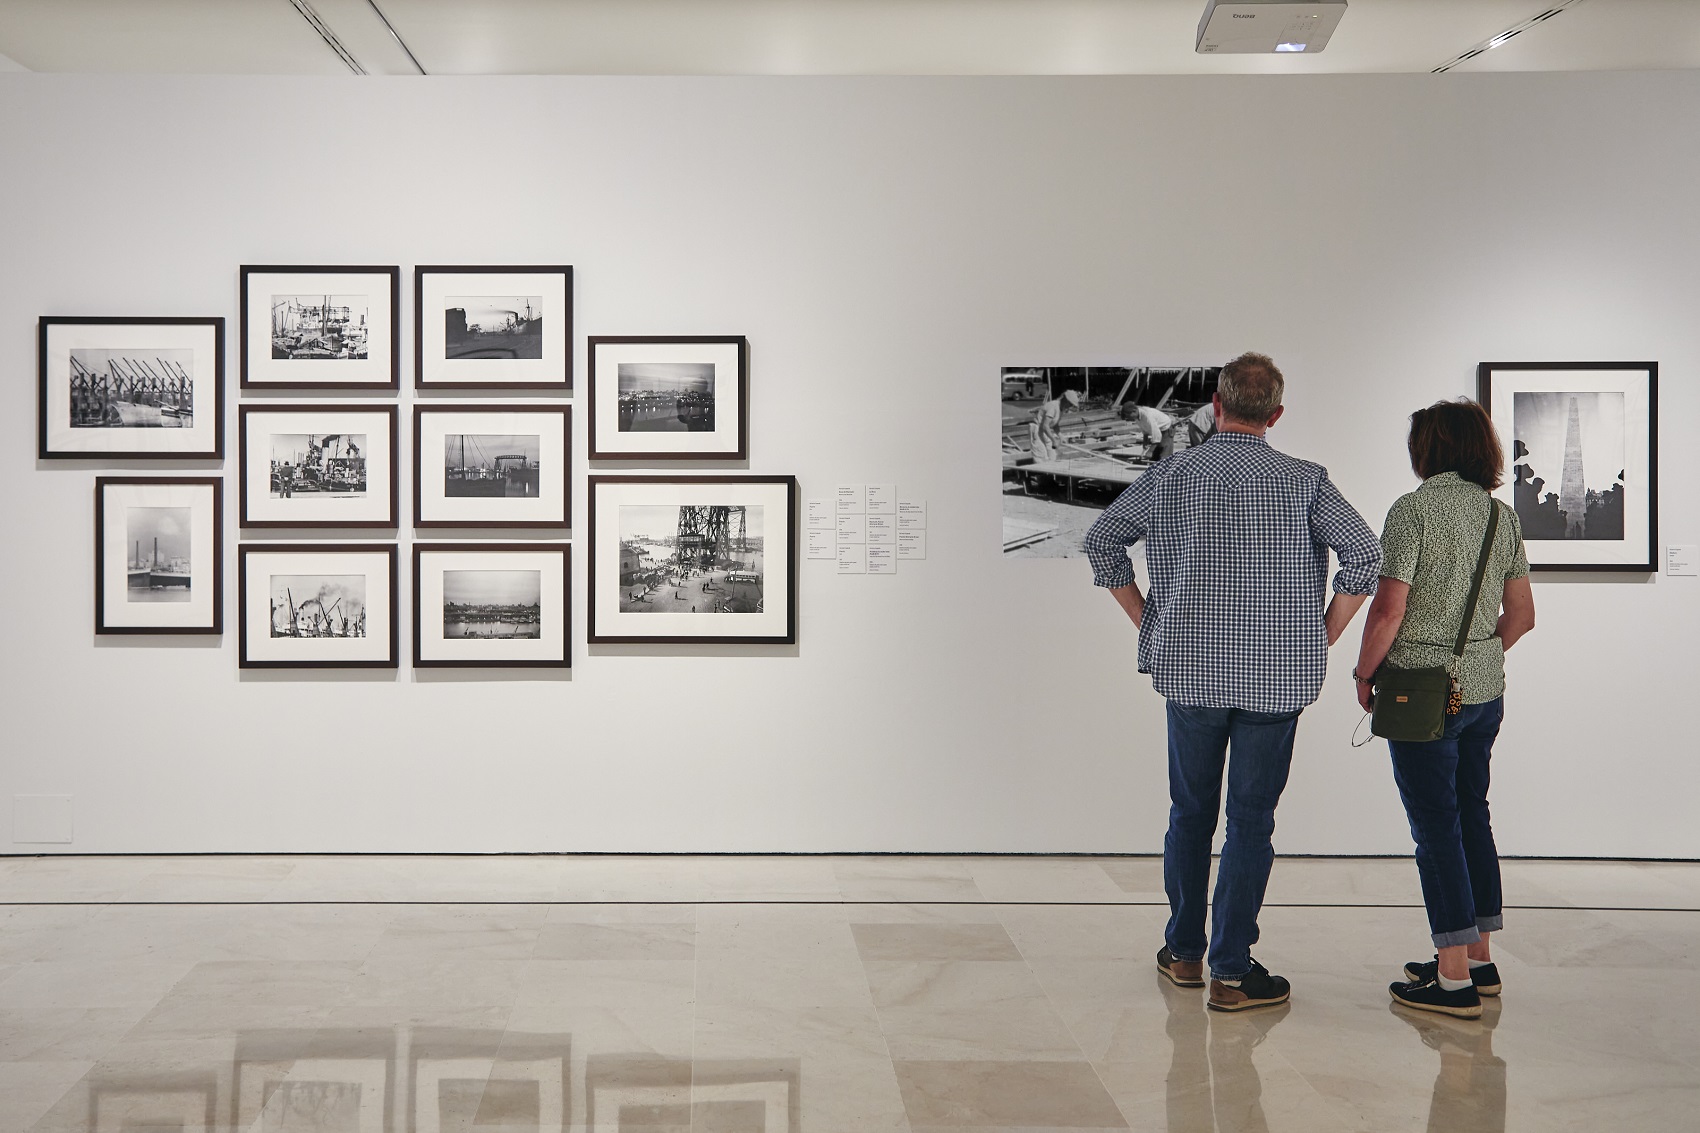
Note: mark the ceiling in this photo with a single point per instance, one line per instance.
(813, 37)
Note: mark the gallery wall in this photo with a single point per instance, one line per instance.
(886, 245)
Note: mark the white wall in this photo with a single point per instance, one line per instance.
(886, 244)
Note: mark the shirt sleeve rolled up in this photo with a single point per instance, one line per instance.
(1337, 524)
(1117, 528)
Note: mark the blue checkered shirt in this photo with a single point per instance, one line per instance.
(1236, 538)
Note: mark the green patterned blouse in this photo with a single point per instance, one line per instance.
(1431, 541)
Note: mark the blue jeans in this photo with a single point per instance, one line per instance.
(1199, 743)
(1444, 785)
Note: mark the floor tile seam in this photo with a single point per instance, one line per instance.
(885, 1038)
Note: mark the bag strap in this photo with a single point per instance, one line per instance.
(1476, 582)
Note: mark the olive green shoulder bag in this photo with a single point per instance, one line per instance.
(1411, 705)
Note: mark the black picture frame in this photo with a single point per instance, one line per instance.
(1637, 550)
(246, 552)
(391, 335)
(564, 343)
(429, 513)
(245, 510)
(564, 550)
(602, 445)
(598, 548)
(104, 625)
(46, 400)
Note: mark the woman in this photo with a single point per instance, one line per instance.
(1431, 544)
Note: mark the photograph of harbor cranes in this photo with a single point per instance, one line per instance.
(141, 388)
(159, 564)
(318, 605)
(493, 326)
(319, 464)
(666, 397)
(503, 465)
(691, 559)
(320, 327)
(492, 604)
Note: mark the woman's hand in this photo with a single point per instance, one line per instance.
(1366, 694)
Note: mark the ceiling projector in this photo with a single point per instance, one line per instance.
(1243, 27)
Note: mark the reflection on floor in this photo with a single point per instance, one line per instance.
(721, 995)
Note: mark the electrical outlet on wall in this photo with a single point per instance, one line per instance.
(41, 818)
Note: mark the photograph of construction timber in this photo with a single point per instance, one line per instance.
(160, 567)
(666, 397)
(320, 327)
(134, 388)
(313, 605)
(491, 464)
(1074, 437)
(494, 604)
(493, 326)
(330, 464)
(691, 559)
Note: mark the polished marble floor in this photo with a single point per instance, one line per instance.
(737, 994)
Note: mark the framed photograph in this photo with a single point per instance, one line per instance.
(492, 465)
(159, 554)
(321, 327)
(1582, 442)
(141, 387)
(317, 605)
(669, 398)
(708, 559)
(318, 465)
(478, 327)
(491, 605)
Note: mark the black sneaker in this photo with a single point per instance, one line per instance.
(1486, 977)
(1428, 995)
(1181, 973)
(1257, 988)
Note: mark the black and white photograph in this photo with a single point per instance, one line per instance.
(320, 327)
(491, 465)
(669, 398)
(493, 326)
(1074, 437)
(1581, 446)
(490, 604)
(317, 605)
(131, 387)
(478, 327)
(158, 561)
(693, 558)
(318, 465)
(488, 466)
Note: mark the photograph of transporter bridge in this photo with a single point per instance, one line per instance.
(319, 326)
(1074, 437)
(132, 389)
(690, 560)
(491, 464)
(318, 463)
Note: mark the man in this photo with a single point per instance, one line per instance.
(1042, 432)
(1235, 637)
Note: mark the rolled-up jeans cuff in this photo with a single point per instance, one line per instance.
(1490, 924)
(1452, 939)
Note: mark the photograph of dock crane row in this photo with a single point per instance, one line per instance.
(1074, 437)
(1581, 436)
(491, 464)
(493, 326)
(321, 464)
(132, 389)
(319, 326)
(690, 559)
(159, 553)
(492, 603)
(666, 397)
(318, 605)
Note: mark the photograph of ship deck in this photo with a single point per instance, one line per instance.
(132, 389)
(319, 326)
(318, 605)
(690, 559)
(494, 604)
(159, 553)
(318, 463)
(493, 326)
(1074, 437)
(666, 397)
(491, 464)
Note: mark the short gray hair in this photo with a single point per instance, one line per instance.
(1251, 388)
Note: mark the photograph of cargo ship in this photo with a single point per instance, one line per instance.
(321, 464)
(666, 397)
(491, 464)
(493, 326)
(159, 565)
(132, 389)
(493, 604)
(323, 327)
(691, 559)
(318, 605)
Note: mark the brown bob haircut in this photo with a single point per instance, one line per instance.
(1457, 436)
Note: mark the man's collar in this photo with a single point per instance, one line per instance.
(1238, 438)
